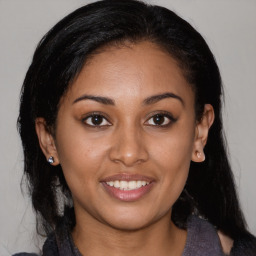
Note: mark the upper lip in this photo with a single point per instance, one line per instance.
(127, 177)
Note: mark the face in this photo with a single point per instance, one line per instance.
(126, 132)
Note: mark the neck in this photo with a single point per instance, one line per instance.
(94, 238)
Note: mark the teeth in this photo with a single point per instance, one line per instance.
(127, 185)
(111, 183)
(116, 184)
(123, 184)
(132, 184)
(143, 183)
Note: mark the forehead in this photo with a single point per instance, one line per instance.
(134, 71)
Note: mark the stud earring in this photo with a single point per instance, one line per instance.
(200, 155)
(50, 160)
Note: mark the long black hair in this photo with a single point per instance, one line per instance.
(60, 55)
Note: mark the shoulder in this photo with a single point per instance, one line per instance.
(202, 235)
(49, 248)
(244, 246)
(202, 238)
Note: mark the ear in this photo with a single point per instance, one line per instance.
(201, 133)
(46, 141)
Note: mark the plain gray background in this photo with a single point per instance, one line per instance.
(229, 27)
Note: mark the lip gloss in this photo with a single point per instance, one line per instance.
(127, 195)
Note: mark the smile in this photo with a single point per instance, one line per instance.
(127, 185)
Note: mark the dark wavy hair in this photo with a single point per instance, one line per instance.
(60, 55)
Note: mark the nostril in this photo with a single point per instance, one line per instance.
(129, 160)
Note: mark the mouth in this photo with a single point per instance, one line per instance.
(128, 187)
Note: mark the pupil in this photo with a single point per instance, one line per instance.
(158, 119)
(96, 120)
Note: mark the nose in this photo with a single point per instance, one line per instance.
(129, 147)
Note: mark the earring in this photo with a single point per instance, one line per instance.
(200, 155)
(50, 160)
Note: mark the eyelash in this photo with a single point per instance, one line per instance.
(163, 114)
(96, 114)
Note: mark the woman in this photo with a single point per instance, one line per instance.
(120, 121)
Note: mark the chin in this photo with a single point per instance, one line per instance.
(132, 220)
(129, 225)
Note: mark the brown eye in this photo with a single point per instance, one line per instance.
(160, 120)
(96, 120)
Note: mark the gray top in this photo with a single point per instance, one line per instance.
(202, 239)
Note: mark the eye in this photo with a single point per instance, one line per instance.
(161, 119)
(96, 120)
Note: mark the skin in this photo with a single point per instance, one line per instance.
(128, 141)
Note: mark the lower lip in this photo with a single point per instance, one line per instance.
(128, 195)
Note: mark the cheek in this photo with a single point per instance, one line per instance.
(174, 148)
(172, 155)
(80, 156)
(75, 145)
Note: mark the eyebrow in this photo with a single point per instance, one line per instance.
(148, 101)
(155, 98)
(100, 99)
